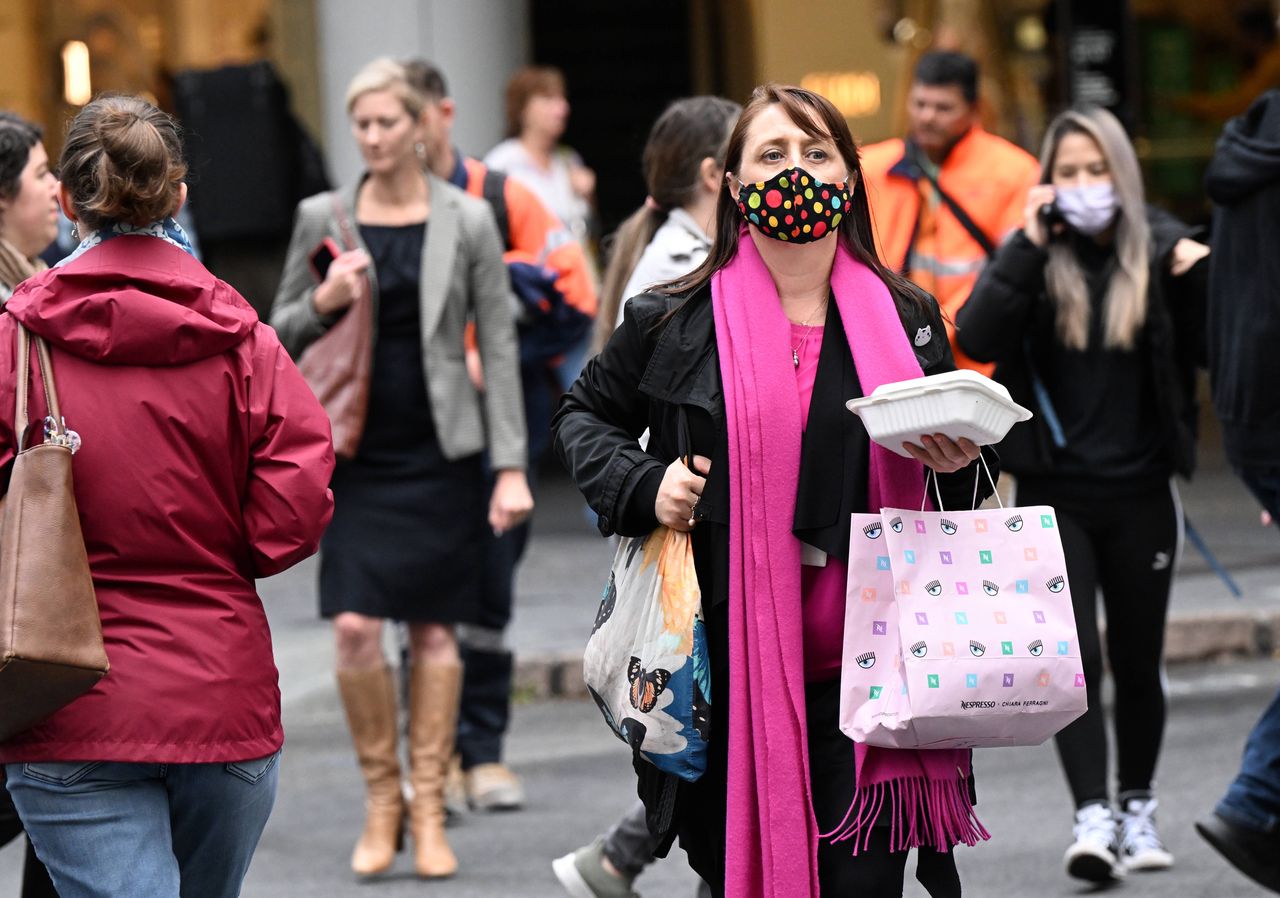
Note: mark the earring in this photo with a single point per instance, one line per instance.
(75, 231)
(421, 149)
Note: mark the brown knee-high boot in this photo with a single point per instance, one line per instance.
(369, 698)
(434, 691)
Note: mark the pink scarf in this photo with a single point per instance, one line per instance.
(772, 835)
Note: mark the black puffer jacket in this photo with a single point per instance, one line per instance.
(662, 360)
(1244, 284)
(1009, 319)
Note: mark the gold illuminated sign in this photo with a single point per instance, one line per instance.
(855, 94)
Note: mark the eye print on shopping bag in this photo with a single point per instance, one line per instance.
(976, 648)
(948, 527)
(896, 525)
(866, 660)
(646, 686)
(1014, 523)
(919, 650)
(933, 588)
(1036, 649)
(1056, 584)
(873, 530)
(990, 588)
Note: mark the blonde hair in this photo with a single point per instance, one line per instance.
(122, 161)
(386, 74)
(1125, 307)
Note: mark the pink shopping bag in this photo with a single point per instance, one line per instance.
(959, 630)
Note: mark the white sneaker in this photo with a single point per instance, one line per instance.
(1094, 855)
(1140, 845)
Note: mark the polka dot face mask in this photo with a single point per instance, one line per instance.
(793, 206)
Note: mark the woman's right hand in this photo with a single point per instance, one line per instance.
(341, 283)
(679, 493)
(1033, 223)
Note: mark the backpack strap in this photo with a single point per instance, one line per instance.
(495, 194)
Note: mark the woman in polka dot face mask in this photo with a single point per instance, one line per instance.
(778, 327)
(794, 206)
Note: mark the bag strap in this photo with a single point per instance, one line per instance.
(22, 423)
(930, 474)
(343, 219)
(495, 194)
(684, 445)
(957, 210)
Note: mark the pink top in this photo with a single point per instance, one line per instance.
(822, 589)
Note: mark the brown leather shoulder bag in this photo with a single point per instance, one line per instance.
(338, 366)
(51, 647)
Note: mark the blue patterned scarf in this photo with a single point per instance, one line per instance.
(166, 229)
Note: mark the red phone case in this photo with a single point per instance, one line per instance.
(326, 249)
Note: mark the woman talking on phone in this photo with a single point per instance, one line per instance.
(1094, 314)
(411, 506)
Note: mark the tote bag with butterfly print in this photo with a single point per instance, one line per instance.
(646, 661)
(959, 630)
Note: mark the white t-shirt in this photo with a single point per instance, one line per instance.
(551, 185)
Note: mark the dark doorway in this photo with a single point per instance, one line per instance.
(623, 63)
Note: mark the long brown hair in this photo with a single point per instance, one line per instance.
(816, 116)
(689, 131)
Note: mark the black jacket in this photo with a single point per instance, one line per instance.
(659, 364)
(1244, 284)
(1009, 320)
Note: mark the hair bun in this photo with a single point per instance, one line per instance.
(123, 162)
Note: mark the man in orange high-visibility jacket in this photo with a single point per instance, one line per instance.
(985, 176)
(535, 241)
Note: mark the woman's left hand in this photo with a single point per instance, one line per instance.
(511, 502)
(942, 453)
(1186, 253)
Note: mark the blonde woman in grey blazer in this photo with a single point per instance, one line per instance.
(410, 509)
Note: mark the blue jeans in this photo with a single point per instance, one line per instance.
(108, 829)
(1253, 798)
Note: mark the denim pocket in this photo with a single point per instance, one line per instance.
(59, 773)
(252, 771)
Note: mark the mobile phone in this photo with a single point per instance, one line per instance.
(1050, 215)
(322, 257)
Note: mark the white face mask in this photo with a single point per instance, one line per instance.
(1090, 210)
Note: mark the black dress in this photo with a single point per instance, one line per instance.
(408, 524)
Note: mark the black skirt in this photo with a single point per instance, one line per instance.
(408, 531)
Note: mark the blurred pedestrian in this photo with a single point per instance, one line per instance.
(537, 115)
(549, 268)
(204, 465)
(757, 350)
(666, 238)
(943, 198)
(1244, 329)
(1094, 315)
(28, 224)
(408, 536)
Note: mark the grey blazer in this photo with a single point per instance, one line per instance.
(463, 278)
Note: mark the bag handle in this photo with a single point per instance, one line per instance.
(54, 424)
(344, 223)
(930, 474)
(684, 444)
